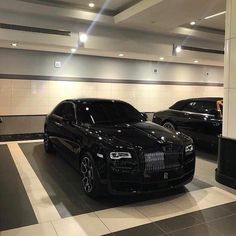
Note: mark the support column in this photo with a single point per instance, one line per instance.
(226, 171)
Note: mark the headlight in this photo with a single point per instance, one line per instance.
(189, 148)
(120, 155)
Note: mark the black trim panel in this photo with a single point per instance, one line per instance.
(98, 80)
(226, 170)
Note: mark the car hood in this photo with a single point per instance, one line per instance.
(141, 134)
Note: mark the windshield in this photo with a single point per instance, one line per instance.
(105, 112)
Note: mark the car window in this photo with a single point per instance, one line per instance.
(65, 109)
(200, 106)
(107, 112)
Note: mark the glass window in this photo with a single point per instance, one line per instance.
(200, 106)
(65, 109)
(104, 112)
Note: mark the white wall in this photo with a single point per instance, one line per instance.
(38, 96)
(24, 97)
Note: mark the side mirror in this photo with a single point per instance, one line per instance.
(144, 116)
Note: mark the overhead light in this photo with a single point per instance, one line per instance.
(14, 44)
(178, 49)
(218, 14)
(121, 55)
(73, 50)
(91, 4)
(196, 61)
(193, 23)
(162, 58)
(83, 37)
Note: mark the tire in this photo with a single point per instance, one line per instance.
(89, 177)
(169, 125)
(48, 147)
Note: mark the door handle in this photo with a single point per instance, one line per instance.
(58, 124)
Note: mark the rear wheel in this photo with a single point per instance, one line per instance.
(89, 177)
(48, 144)
(170, 126)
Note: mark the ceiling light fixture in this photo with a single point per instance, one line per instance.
(73, 50)
(193, 23)
(14, 44)
(83, 37)
(91, 4)
(121, 55)
(178, 49)
(196, 61)
(218, 14)
(162, 58)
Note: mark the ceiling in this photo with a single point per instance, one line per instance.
(140, 28)
(112, 7)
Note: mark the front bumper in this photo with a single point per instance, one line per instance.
(125, 181)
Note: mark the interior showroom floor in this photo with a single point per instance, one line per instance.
(41, 195)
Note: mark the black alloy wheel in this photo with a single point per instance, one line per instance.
(48, 144)
(87, 174)
(168, 125)
(89, 177)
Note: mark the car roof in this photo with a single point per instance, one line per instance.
(180, 104)
(92, 100)
(213, 99)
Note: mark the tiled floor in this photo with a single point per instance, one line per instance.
(52, 203)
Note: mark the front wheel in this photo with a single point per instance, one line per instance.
(48, 147)
(89, 177)
(170, 126)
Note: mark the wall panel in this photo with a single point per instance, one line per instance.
(30, 97)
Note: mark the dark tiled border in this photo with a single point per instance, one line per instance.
(18, 137)
(15, 208)
(214, 221)
(100, 80)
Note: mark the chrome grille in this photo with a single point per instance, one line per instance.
(170, 158)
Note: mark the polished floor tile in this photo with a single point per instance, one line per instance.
(82, 225)
(178, 222)
(45, 229)
(41, 203)
(211, 214)
(15, 208)
(230, 207)
(148, 229)
(156, 210)
(197, 230)
(120, 218)
(225, 226)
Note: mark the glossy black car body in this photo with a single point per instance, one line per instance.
(110, 142)
(200, 118)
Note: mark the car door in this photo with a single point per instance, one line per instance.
(201, 124)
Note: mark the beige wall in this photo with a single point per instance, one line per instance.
(24, 97)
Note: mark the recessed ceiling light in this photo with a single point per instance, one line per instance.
(121, 55)
(83, 37)
(193, 23)
(162, 58)
(217, 14)
(196, 61)
(91, 4)
(14, 44)
(178, 49)
(73, 50)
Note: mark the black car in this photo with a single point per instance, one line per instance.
(200, 118)
(115, 148)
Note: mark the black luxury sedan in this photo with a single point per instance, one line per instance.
(200, 118)
(116, 149)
